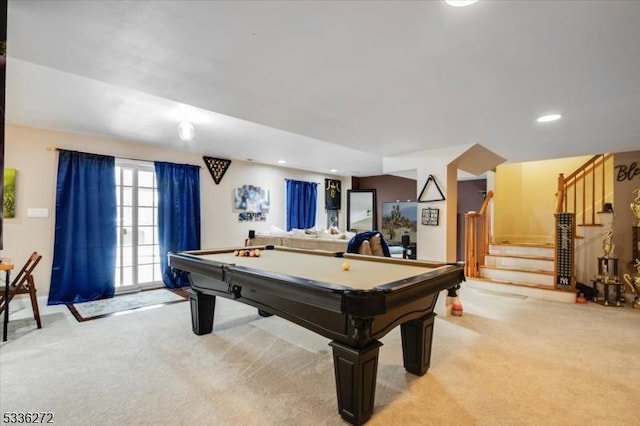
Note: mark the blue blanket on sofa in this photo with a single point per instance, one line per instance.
(356, 241)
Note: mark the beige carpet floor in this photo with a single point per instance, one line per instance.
(507, 361)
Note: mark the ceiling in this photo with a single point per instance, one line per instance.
(331, 84)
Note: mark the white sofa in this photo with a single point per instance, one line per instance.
(312, 240)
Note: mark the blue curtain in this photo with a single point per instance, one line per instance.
(301, 204)
(178, 215)
(84, 251)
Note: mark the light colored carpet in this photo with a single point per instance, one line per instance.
(507, 361)
(126, 302)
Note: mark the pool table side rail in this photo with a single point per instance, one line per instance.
(187, 261)
(442, 276)
(240, 281)
(237, 282)
(396, 260)
(401, 292)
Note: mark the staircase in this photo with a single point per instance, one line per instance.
(529, 269)
(531, 265)
(523, 269)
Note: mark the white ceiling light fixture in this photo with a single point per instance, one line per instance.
(549, 118)
(282, 162)
(186, 132)
(460, 3)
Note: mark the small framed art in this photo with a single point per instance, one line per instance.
(430, 216)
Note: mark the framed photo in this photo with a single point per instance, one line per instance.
(430, 216)
(251, 199)
(332, 194)
(399, 218)
(9, 194)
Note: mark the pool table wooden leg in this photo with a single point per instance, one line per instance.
(417, 336)
(355, 371)
(202, 309)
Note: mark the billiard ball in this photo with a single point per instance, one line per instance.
(236, 253)
(345, 266)
(256, 252)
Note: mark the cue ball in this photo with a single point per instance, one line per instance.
(346, 266)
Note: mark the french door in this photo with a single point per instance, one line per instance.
(137, 258)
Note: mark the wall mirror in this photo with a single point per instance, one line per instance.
(361, 210)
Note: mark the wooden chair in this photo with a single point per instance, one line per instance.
(24, 283)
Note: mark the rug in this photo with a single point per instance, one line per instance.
(126, 303)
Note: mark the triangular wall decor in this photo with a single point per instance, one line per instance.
(217, 167)
(424, 189)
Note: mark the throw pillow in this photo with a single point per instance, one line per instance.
(376, 245)
(365, 248)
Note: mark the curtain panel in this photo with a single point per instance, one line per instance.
(301, 204)
(178, 215)
(84, 252)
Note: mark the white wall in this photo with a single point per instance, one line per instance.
(26, 151)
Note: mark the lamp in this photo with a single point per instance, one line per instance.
(186, 131)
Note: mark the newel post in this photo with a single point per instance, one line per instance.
(560, 194)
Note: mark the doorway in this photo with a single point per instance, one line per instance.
(137, 256)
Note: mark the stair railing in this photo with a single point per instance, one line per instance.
(584, 191)
(581, 194)
(477, 237)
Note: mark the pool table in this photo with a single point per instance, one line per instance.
(354, 308)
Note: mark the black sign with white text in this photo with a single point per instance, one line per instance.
(564, 249)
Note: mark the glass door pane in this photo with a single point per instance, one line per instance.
(137, 261)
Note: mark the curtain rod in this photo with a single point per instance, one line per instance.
(55, 148)
(298, 180)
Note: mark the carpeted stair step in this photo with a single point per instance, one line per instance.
(522, 276)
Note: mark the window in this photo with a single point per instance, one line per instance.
(137, 258)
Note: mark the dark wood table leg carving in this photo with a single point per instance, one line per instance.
(355, 371)
(202, 310)
(417, 336)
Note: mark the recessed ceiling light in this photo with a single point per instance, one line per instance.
(548, 118)
(460, 3)
(282, 162)
(333, 170)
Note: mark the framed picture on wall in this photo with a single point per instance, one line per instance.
(430, 216)
(399, 218)
(251, 199)
(332, 194)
